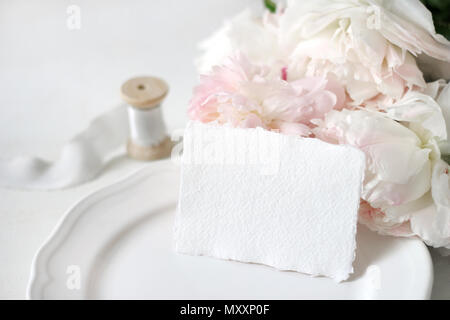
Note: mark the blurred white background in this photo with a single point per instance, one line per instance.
(54, 79)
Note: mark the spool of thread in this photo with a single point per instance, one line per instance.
(148, 134)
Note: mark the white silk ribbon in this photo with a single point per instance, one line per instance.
(81, 159)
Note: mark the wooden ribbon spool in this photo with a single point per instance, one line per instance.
(148, 135)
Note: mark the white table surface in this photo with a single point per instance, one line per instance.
(54, 80)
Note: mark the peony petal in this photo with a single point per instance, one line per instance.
(423, 223)
(410, 72)
(396, 162)
(361, 91)
(419, 108)
(433, 223)
(441, 196)
(377, 221)
(296, 129)
(239, 33)
(418, 22)
(444, 102)
(385, 194)
(433, 89)
(398, 167)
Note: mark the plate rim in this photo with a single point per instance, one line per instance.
(49, 244)
(39, 276)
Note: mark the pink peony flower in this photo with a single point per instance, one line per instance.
(245, 95)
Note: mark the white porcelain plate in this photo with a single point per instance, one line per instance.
(117, 244)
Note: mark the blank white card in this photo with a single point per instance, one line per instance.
(256, 196)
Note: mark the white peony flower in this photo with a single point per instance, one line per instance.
(406, 189)
(433, 226)
(406, 24)
(398, 168)
(433, 223)
(419, 111)
(255, 35)
(369, 45)
(444, 102)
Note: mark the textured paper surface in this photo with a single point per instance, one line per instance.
(296, 211)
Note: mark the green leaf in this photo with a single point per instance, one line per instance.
(441, 15)
(438, 4)
(270, 5)
(444, 30)
(446, 158)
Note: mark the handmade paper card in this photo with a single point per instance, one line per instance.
(262, 197)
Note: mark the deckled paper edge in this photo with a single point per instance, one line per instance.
(362, 171)
(337, 278)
